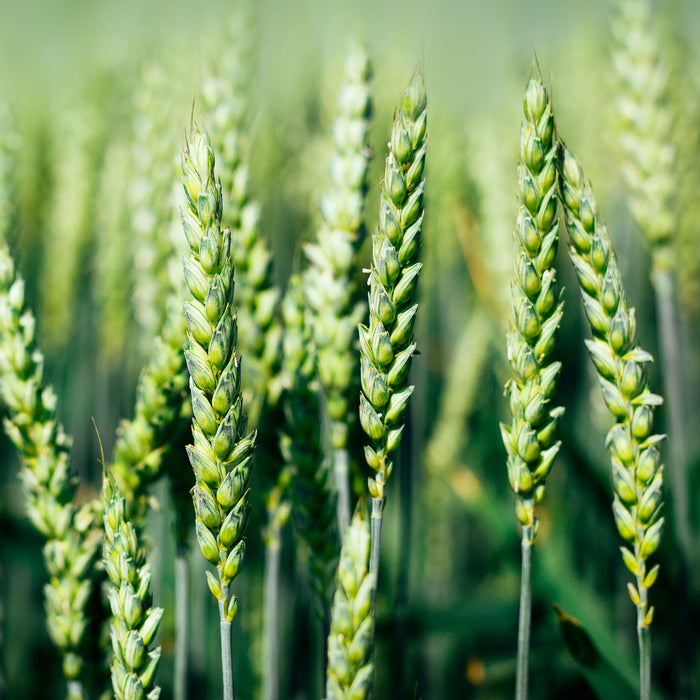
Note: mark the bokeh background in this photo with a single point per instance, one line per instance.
(75, 78)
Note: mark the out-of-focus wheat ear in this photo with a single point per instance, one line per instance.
(9, 146)
(72, 534)
(226, 102)
(160, 416)
(351, 639)
(134, 623)
(313, 497)
(222, 453)
(70, 221)
(648, 141)
(152, 202)
(329, 283)
(637, 473)
(386, 342)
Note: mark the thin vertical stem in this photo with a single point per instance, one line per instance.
(181, 620)
(673, 389)
(644, 657)
(226, 658)
(376, 535)
(342, 481)
(404, 566)
(668, 332)
(522, 670)
(271, 612)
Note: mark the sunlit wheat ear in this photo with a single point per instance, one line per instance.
(536, 311)
(535, 317)
(636, 470)
(222, 453)
(72, 535)
(350, 642)
(134, 623)
(386, 342)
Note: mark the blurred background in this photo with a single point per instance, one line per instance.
(89, 91)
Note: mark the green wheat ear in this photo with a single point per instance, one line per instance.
(386, 343)
(134, 623)
(222, 453)
(330, 289)
(636, 470)
(536, 311)
(72, 535)
(350, 642)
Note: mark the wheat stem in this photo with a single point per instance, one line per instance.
(182, 608)
(523, 658)
(226, 657)
(271, 653)
(341, 469)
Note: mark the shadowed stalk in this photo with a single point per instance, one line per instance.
(271, 651)
(536, 315)
(182, 608)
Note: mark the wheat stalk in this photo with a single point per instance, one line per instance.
(386, 343)
(222, 453)
(72, 535)
(637, 474)
(134, 623)
(328, 280)
(350, 667)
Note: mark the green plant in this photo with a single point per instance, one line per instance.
(313, 500)
(536, 316)
(619, 361)
(333, 258)
(222, 453)
(350, 666)
(386, 343)
(134, 623)
(72, 535)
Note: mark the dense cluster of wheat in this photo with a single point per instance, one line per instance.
(256, 312)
